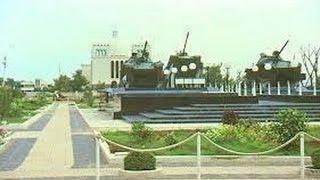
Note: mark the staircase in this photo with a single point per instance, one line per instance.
(264, 111)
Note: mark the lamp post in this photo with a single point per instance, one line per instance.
(227, 77)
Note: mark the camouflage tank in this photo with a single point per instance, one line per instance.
(192, 63)
(141, 72)
(272, 68)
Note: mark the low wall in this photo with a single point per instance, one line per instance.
(140, 103)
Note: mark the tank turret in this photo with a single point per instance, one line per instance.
(139, 71)
(192, 64)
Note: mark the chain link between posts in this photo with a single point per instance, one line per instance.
(212, 142)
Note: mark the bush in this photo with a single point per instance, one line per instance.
(5, 101)
(289, 122)
(2, 132)
(229, 117)
(315, 159)
(138, 161)
(88, 98)
(16, 109)
(241, 134)
(248, 123)
(170, 139)
(140, 132)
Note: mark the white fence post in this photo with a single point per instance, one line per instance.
(199, 155)
(302, 155)
(97, 159)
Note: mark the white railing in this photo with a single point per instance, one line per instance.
(199, 134)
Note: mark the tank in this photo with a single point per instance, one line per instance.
(193, 65)
(272, 68)
(139, 71)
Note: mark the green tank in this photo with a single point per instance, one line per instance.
(193, 65)
(139, 71)
(272, 68)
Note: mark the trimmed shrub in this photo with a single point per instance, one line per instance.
(229, 117)
(170, 139)
(139, 161)
(141, 132)
(315, 159)
(289, 122)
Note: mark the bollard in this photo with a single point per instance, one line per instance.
(302, 156)
(245, 89)
(97, 159)
(300, 88)
(253, 88)
(260, 88)
(199, 155)
(269, 88)
(289, 87)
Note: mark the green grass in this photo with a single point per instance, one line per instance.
(189, 148)
(27, 108)
(20, 119)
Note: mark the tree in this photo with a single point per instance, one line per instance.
(63, 83)
(5, 101)
(78, 81)
(214, 75)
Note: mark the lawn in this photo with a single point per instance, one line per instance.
(23, 110)
(189, 148)
(10, 120)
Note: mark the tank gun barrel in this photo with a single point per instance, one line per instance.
(185, 44)
(144, 51)
(283, 47)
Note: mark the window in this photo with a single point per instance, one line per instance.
(112, 69)
(117, 69)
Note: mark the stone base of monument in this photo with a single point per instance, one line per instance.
(311, 172)
(133, 175)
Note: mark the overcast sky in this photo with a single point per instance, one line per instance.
(36, 35)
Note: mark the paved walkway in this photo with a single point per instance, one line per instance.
(63, 147)
(53, 149)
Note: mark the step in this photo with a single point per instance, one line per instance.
(255, 105)
(138, 118)
(177, 112)
(189, 108)
(155, 115)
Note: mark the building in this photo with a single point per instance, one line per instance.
(27, 86)
(86, 71)
(106, 61)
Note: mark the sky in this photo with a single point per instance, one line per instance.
(39, 36)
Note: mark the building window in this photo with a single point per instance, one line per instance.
(112, 69)
(117, 69)
(121, 64)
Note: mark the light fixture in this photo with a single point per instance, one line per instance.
(255, 68)
(174, 70)
(267, 66)
(192, 66)
(184, 68)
